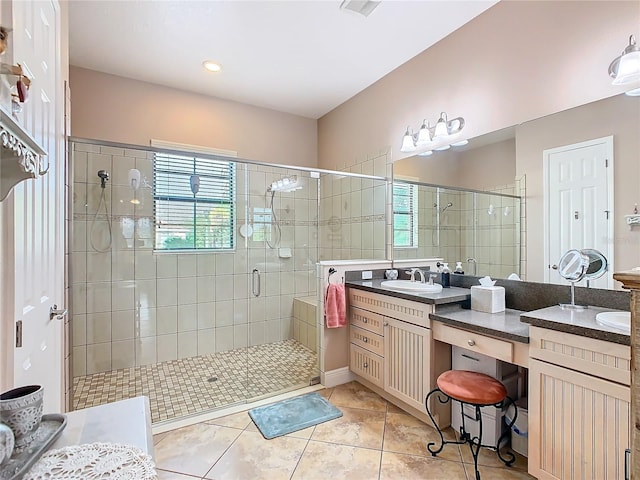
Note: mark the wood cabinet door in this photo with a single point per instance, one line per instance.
(406, 361)
(578, 424)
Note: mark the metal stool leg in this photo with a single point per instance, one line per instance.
(443, 442)
(508, 462)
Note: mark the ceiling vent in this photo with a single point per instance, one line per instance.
(363, 7)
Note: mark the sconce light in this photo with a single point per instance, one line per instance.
(134, 182)
(626, 68)
(443, 129)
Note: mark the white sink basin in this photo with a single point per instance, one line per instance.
(410, 286)
(619, 320)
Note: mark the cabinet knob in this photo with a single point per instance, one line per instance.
(471, 343)
(386, 324)
(365, 340)
(365, 320)
(365, 365)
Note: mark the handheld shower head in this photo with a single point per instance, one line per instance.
(104, 176)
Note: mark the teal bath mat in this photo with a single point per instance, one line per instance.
(293, 414)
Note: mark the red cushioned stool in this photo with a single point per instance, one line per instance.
(478, 390)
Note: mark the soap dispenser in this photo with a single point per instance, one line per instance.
(459, 269)
(446, 280)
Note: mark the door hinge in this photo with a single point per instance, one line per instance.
(19, 334)
(606, 212)
(606, 163)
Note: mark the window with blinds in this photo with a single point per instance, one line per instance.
(405, 215)
(193, 201)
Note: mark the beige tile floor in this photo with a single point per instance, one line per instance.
(372, 440)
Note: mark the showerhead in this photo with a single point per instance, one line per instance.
(104, 176)
(443, 208)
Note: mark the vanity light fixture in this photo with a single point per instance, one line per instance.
(626, 68)
(443, 129)
(211, 66)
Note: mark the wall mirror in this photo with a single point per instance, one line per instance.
(512, 161)
(479, 229)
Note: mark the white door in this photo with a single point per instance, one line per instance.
(579, 203)
(37, 207)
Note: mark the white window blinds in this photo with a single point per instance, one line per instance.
(405, 222)
(193, 200)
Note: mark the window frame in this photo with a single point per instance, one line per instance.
(229, 182)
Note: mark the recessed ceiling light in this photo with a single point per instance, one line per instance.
(460, 143)
(211, 66)
(443, 147)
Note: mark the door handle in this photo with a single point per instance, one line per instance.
(555, 267)
(255, 282)
(55, 312)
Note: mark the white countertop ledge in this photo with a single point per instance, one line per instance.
(125, 422)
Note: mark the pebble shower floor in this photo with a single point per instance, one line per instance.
(184, 387)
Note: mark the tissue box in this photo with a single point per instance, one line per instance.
(487, 299)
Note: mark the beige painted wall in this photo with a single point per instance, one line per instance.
(107, 107)
(516, 62)
(482, 168)
(618, 116)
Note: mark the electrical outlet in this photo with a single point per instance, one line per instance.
(367, 275)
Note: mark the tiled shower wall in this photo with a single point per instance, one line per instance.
(467, 229)
(134, 307)
(353, 211)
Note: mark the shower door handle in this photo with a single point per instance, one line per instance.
(255, 282)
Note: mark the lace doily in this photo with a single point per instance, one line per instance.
(94, 461)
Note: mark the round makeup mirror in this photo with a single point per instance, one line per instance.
(598, 264)
(573, 265)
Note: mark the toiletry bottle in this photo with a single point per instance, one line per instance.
(459, 269)
(446, 280)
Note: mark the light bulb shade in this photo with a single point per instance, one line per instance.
(628, 69)
(441, 129)
(407, 143)
(134, 178)
(424, 135)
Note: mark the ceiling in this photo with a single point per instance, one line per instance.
(300, 57)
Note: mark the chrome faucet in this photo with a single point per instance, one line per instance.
(475, 265)
(413, 271)
(431, 277)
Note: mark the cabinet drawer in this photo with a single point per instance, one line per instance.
(367, 340)
(406, 310)
(465, 359)
(475, 342)
(366, 364)
(607, 360)
(367, 320)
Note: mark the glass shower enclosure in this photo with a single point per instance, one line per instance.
(185, 269)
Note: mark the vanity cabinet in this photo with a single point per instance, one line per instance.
(579, 406)
(390, 345)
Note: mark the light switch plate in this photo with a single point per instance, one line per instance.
(367, 275)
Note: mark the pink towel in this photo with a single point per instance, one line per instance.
(335, 306)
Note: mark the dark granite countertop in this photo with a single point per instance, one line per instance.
(447, 295)
(505, 324)
(577, 322)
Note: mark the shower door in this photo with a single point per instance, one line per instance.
(278, 227)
